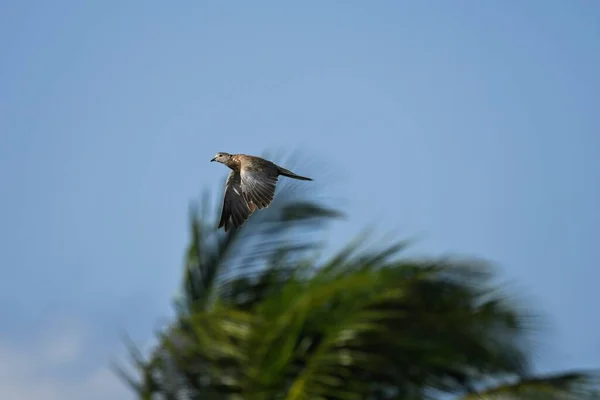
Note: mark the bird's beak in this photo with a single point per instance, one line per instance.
(213, 159)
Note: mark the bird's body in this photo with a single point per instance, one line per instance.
(250, 186)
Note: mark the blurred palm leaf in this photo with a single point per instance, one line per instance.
(562, 386)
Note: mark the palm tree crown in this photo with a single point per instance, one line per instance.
(261, 316)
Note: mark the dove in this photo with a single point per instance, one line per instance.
(250, 186)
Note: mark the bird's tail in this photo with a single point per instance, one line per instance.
(290, 174)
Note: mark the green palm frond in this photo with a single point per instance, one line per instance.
(561, 386)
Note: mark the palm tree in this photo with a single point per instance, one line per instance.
(263, 316)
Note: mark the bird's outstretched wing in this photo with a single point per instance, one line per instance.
(236, 209)
(259, 186)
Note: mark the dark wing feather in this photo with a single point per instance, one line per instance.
(259, 186)
(235, 208)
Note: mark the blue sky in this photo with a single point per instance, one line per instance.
(473, 125)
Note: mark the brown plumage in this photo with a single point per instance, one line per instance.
(250, 186)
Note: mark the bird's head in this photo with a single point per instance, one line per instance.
(221, 157)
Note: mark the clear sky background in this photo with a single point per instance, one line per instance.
(474, 125)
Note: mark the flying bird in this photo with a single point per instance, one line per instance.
(250, 186)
